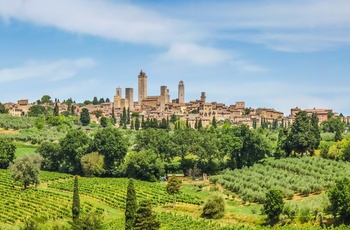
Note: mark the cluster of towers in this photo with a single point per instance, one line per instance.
(144, 99)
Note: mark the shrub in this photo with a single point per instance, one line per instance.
(214, 207)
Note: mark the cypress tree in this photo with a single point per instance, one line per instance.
(114, 120)
(76, 201)
(137, 123)
(143, 122)
(56, 110)
(196, 124)
(200, 124)
(128, 116)
(132, 124)
(125, 117)
(131, 206)
(187, 124)
(213, 123)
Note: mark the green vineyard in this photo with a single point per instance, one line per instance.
(112, 191)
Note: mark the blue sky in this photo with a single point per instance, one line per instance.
(276, 54)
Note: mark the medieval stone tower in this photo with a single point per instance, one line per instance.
(142, 90)
(203, 97)
(129, 96)
(181, 92)
(117, 98)
(164, 96)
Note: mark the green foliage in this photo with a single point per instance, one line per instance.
(90, 221)
(74, 145)
(292, 175)
(36, 110)
(304, 134)
(92, 164)
(7, 153)
(76, 201)
(173, 186)
(130, 206)
(51, 153)
(103, 122)
(339, 197)
(85, 117)
(143, 165)
(273, 205)
(26, 169)
(3, 109)
(110, 143)
(214, 207)
(145, 218)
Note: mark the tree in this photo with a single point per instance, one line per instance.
(132, 125)
(214, 207)
(56, 110)
(199, 125)
(213, 122)
(137, 123)
(315, 134)
(95, 101)
(299, 134)
(131, 205)
(110, 143)
(173, 187)
(339, 197)
(46, 99)
(143, 165)
(103, 122)
(74, 145)
(7, 153)
(26, 169)
(114, 120)
(90, 221)
(92, 164)
(3, 109)
(52, 155)
(273, 205)
(102, 100)
(145, 218)
(76, 201)
(36, 110)
(107, 100)
(85, 117)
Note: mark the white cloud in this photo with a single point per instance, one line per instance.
(201, 55)
(117, 21)
(51, 71)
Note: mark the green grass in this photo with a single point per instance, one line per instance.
(23, 150)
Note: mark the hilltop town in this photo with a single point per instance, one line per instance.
(162, 106)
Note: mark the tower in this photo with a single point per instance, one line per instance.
(163, 97)
(142, 90)
(117, 98)
(203, 97)
(181, 92)
(129, 96)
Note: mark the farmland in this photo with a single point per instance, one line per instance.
(51, 200)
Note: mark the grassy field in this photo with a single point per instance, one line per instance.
(23, 150)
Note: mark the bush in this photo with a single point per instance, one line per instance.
(214, 207)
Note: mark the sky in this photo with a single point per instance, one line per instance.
(272, 54)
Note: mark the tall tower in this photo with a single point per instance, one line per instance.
(117, 98)
(181, 92)
(203, 97)
(163, 97)
(142, 90)
(129, 96)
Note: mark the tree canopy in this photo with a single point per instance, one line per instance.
(26, 169)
